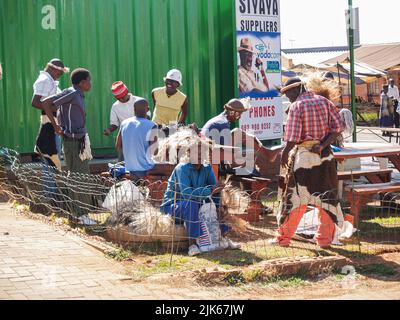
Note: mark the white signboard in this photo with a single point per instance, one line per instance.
(259, 66)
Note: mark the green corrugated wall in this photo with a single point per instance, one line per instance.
(136, 41)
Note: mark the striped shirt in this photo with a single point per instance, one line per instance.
(71, 114)
(312, 117)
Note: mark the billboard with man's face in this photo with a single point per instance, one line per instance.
(259, 66)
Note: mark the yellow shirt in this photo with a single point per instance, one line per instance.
(167, 109)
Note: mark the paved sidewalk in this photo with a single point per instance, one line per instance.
(38, 261)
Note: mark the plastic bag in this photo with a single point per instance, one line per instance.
(309, 225)
(211, 239)
(123, 196)
(116, 170)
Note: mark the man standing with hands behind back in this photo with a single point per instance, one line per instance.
(312, 126)
(71, 118)
(393, 94)
(48, 144)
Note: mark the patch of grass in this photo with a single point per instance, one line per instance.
(377, 269)
(255, 275)
(286, 282)
(157, 261)
(235, 279)
(118, 254)
(340, 276)
(150, 248)
(100, 218)
(386, 222)
(258, 276)
(59, 220)
(161, 264)
(368, 116)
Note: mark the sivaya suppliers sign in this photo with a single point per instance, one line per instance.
(258, 40)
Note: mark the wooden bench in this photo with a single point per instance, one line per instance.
(393, 133)
(373, 176)
(360, 195)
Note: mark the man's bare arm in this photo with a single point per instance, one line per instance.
(285, 153)
(110, 129)
(328, 141)
(118, 143)
(184, 112)
(36, 102)
(48, 108)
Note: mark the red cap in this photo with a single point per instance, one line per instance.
(119, 89)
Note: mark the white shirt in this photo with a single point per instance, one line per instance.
(122, 111)
(394, 92)
(45, 85)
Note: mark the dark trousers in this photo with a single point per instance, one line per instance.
(396, 115)
(72, 160)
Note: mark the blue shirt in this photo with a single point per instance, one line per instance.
(136, 133)
(218, 129)
(71, 114)
(189, 183)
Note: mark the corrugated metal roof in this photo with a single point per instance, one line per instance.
(380, 56)
(316, 50)
(313, 58)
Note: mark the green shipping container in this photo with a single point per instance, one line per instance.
(136, 41)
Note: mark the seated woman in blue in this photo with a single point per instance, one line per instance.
(189, 185)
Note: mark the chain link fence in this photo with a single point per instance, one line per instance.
(130, 213)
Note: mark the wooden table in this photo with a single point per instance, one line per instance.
(365, 150)
(396, 131)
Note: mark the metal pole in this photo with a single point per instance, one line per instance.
(340, 85)
(352, 71)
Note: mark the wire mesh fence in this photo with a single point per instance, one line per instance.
(244, 212)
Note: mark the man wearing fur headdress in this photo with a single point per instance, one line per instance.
(326, 86)
(311, 174)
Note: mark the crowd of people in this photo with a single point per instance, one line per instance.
(314, 124)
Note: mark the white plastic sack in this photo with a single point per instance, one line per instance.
(122, 197)
(87, 152)
(212, 239)
(310, 222)
(345, 232)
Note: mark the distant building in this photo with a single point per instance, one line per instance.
(384, 57)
